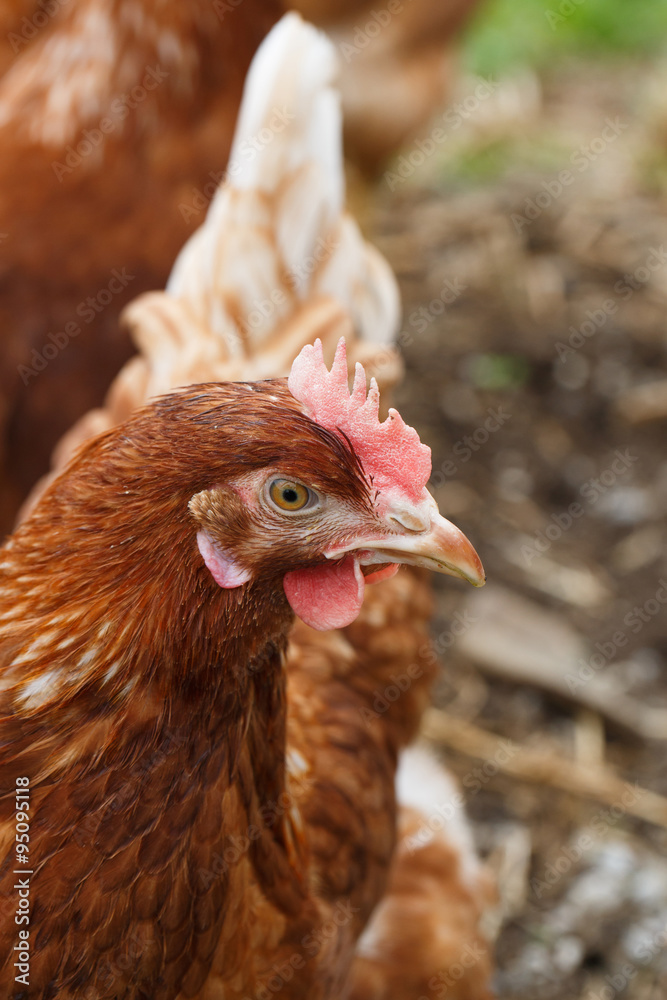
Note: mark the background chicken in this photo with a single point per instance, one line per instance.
(165, 79)
(399, 65)
(341, 749)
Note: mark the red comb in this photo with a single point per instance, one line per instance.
(390, 451)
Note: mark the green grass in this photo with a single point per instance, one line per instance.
(480, 163)
(497, 371)
(510, 34)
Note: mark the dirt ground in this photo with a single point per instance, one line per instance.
(535, 333)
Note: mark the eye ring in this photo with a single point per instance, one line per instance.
(290, 496)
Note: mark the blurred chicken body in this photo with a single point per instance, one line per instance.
(212, 809)
(399, 62)
(116, 121)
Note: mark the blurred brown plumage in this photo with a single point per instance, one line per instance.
(114, 121)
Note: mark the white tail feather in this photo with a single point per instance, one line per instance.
(276, 235)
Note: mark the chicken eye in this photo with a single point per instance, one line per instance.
(288, 495)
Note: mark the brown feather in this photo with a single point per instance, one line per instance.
(147, 823)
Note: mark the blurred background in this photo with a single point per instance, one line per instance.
(530, 242)
(510, 160)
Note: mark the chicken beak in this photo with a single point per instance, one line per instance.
(443, 549)
(428, 540)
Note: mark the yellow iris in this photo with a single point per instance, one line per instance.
(288, 495)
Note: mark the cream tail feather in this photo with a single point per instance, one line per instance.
(277, 238)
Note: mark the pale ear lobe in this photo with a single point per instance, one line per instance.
(225, 571)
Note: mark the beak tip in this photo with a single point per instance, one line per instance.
(468, 564)
(480, 577)
(477, 576)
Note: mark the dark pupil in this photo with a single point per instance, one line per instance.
(290, 495)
